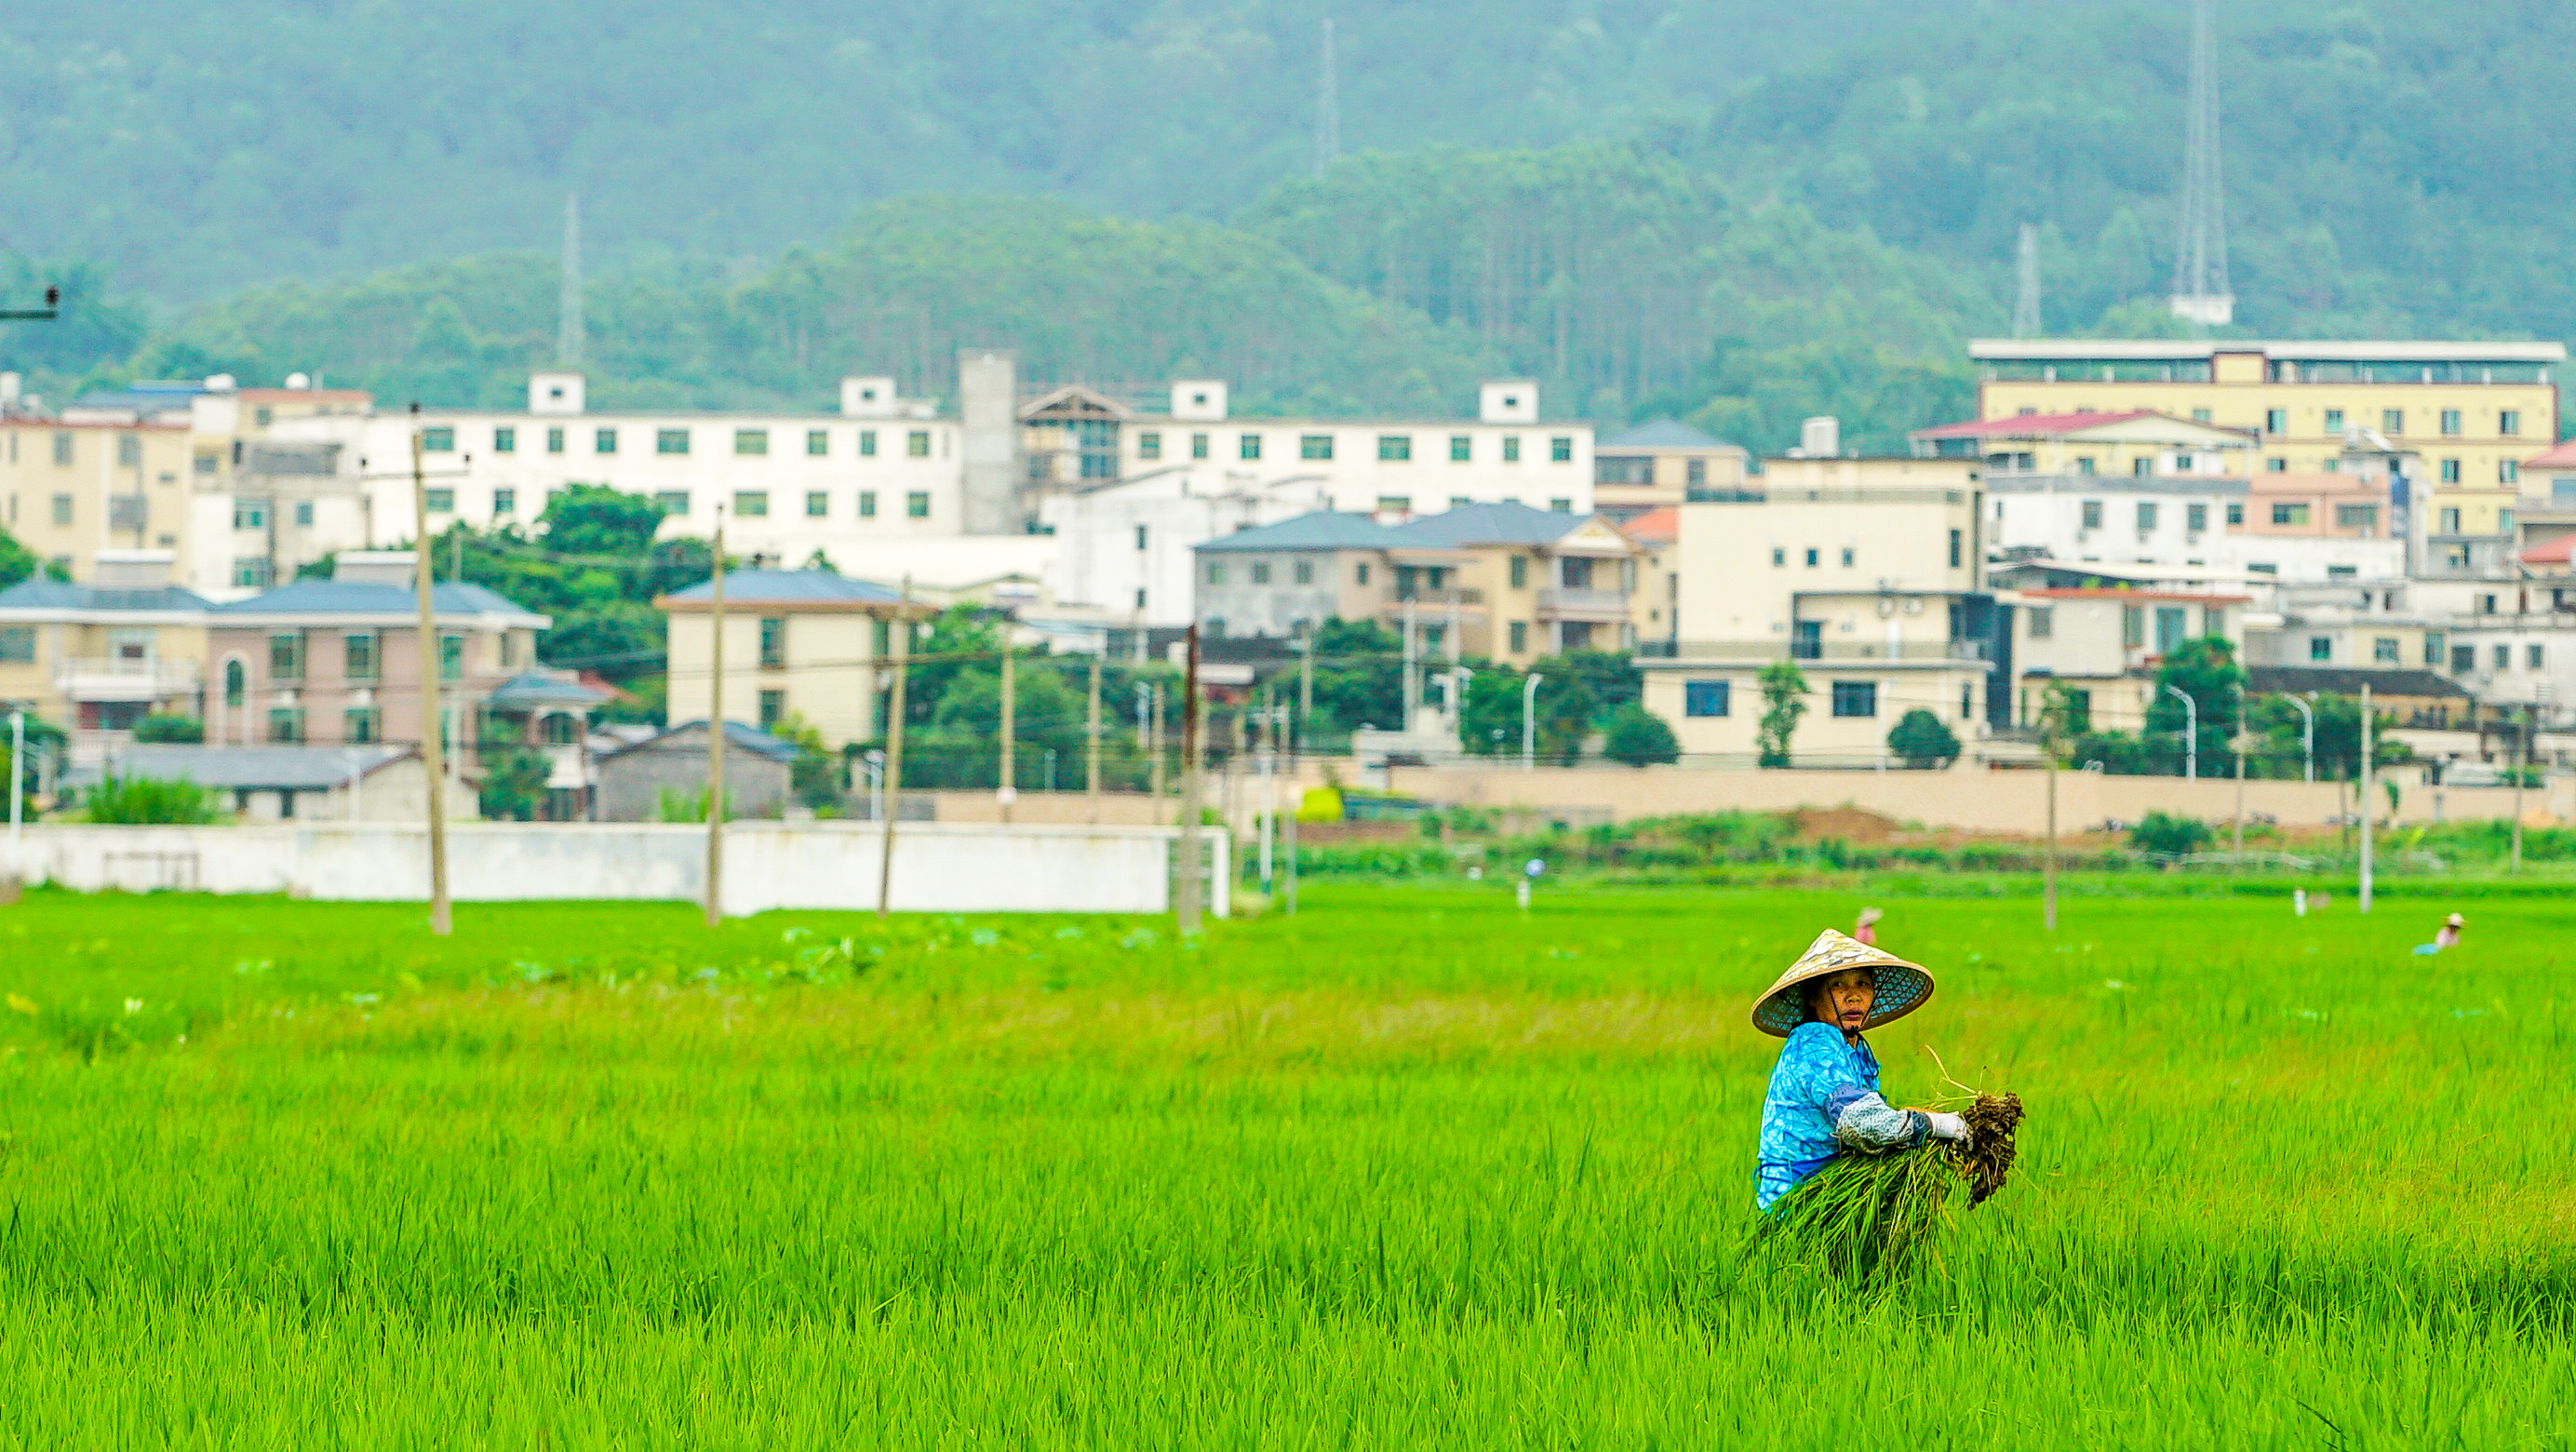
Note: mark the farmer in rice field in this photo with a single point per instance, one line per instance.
(2448, 937)
(1824, 1095)
(1865, 932)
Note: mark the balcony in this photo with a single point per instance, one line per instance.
(1828, 652)
(1600, 605)
(1423, 598)
(116, 678)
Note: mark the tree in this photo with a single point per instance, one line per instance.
(596, 522)
(2205, 669)
(17, 562)
(183, 730)
(1489, 719)
(2167, 835)
(1922, 741)
(514, 782)
(1359, 675)
(1784, 701)
(1636, 736)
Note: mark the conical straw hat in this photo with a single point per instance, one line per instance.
(1902, 987)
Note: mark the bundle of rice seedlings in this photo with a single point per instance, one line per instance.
(1877, 1219)
(1988, 1159)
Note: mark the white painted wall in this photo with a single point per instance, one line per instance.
(938, 867)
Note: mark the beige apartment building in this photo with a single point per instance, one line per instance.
(2104, 645)
(2473, 411)
(1657, 464)
(72, 489)
(1867, 573)
(95, 658)
(802, 643)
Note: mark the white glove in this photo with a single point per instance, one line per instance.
(1948, 1126)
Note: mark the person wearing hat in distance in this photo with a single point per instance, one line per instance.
(2448, 937)
(1824, 1096)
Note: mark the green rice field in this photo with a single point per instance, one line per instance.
(1409, 1170)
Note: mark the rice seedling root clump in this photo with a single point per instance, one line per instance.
(1877, 1219)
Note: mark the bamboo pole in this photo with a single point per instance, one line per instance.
(432, 659)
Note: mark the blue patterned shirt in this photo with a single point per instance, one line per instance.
(1824, 1098)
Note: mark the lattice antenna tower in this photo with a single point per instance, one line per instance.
(568, 325)
(2201, 294)
(1328, 107)
(2026, 297)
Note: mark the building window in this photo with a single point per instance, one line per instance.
(1216, 572)
(2092, 514)
(603, 441)
(505, 440)
(358, 725)
(1511, 449)
(773, 709)
(247, 513)
(1362, 574)
(1198, 446)
(669, 441)
(62, 449)
(916, 505)
(1395, 448)
(358, 658)
(2321, 647)
(2289, 514)
(1309, 446)
(1520, 572)
(673, 502)
(2433, 648)
(442, 501)
(1813, 558)
(817, 503)
(504, 501)
(2503, 657)
(554, 441)
(2450, 520)
(2504, 522)
(2276, 420)
(1560, 449)
(2195, 518)
(2509, 422)
(286, 657)
(745, 441)
(560, 728)
(2464, 658)
(1248, 446)
(867, 504)
(818, 442)
(2133, 627)
(1695, 473)
(2384, 649)
(441, 440)
(2535, 656)
(1779, 557)
(1261, 572)
(1705, 698)
(1957, 550)
(1149, 444)
(2450, 471)
(2276, 466)
(2357, 516)
(286, 728)
(1519, 633)
(2334, 420)
(2508, 471)
(17, 645)
(751, 503)
(773, 643)
(1462, 448)
(2146, 516)
(1560, 506)
(917, 443)
(867, 443)
(1849, 555)
(2043, 622)
(1395, 504)
(1855, 698)
(2235, 514)
(253, 573)
(2451, 422)
(1305, 572)
(2084, 465)
(2392, 421)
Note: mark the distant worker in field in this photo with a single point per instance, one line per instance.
(1865, 932)
(2448, 937)
(1824, 1096)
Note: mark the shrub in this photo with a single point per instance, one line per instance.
(1636, 736)
(151, 801)
(172, 729)
(514, 782)
(1922, 741)
(2169, 836)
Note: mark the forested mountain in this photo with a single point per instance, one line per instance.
(1736, 213)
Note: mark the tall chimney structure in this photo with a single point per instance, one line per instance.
(988, 411)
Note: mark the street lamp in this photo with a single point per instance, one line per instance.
(2307, 734)
(2190, 731)
(1529, 721)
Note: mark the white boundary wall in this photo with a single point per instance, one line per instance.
(937, 867)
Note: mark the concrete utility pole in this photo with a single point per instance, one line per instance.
(2521, 767)
(1305, 693)
(433, 659)
(902, 634)
(2240, 777)
(1186, 911)
(716, 729)
(2369, 777)
(2048, 856)
(1091, 741)
(1008, 790)
(17, 784)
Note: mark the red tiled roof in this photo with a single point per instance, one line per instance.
(2556, 552)
(1655, 526)
(2029, 423)
(2561, 457)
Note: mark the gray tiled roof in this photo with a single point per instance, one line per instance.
(2348, 681)
(351, 597)
(43, 594)
(1322, 530)
(747, 587)
(1477, 524)
(254, 768)
(537, 688)
(738, 737)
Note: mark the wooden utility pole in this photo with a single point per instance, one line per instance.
(1187, 843)
(716, 730)
(894, 752)
(1091, 741)
(433, 661)
(2522, 767)
(1008, 791)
